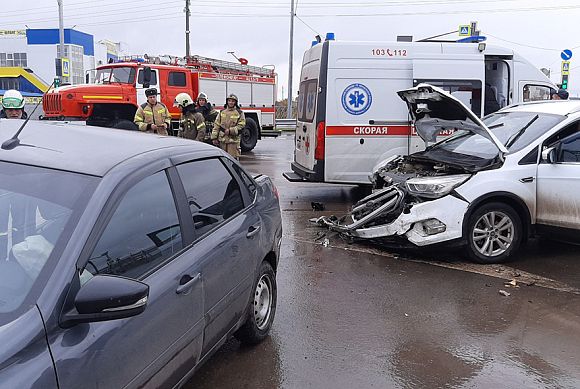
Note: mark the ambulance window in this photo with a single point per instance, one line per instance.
(176, 79)
(307, 101)
(536, 92)
(466, 91)
(153, 77)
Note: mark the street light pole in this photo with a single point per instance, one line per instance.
(60, 32)
(187, 13)
(289, 114)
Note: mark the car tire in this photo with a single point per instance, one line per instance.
(249, 135)
(262, 307)
(494, 233)
(123, 124)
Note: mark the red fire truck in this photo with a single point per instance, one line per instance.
(119, 88)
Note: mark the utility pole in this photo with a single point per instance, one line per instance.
(187, 14)
(289, 116)
(60, 32)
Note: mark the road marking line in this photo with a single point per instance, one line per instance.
(502, 272)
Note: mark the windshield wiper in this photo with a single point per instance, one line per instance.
(516, 136)
(495, 126)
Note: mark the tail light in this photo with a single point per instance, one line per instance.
(320, 136)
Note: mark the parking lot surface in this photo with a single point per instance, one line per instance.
(363, 316)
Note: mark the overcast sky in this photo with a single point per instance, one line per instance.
(259, 30)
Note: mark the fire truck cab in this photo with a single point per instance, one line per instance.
(119, 88)
(350, 117)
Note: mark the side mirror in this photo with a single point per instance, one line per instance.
(549, 155)
(87, 78)
(107, 297)
(146, 77)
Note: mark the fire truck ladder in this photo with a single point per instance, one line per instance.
(232, 67)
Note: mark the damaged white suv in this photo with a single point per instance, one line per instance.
(488, 186)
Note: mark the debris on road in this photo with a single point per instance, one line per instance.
(504, 293)
(316, 206)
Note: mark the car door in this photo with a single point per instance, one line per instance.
(141, 238)
(226, 235)
(141, 98)
(558, 203)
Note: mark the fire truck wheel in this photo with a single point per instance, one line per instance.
(123, 124)
(249, 135)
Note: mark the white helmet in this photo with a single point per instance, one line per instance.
(12, 99)
(182, 100)
(202, 96)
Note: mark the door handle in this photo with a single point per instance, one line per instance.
(527, 179)
(253, 230)
(186, 283)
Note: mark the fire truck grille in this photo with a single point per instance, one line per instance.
(52, 103)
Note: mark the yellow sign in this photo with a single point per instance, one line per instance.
(12, 33)
(465, 30)
(565, 68)
(65, 67)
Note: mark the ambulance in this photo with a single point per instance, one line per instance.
(350, 117)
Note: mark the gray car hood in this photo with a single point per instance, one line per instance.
(434, 110)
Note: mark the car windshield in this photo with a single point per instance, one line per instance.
(515, 130)
(123, 75)
(38, 210)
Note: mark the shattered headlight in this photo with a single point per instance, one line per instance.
(435, 187)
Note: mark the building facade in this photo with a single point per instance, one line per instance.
(28, 58)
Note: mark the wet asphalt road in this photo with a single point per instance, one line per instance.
(357, 316)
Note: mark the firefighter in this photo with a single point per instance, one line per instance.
(153, 116)
(227, 127)
(209, 113)
(13, 105)
(191, 122)
(561, 94)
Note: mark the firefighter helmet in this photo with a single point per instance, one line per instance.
(231, 96)
(182, 100)
(12, 100)
(202, 96)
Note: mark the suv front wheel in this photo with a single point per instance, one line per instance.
(494, 233)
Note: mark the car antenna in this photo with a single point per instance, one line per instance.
(14, 141)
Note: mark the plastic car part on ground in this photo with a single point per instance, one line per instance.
(375, 209)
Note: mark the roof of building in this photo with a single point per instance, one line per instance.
(83, 149)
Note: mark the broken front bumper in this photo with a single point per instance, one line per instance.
(422, 224)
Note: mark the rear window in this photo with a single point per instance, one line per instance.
(307, 100)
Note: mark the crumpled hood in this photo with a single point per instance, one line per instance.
(434, 110)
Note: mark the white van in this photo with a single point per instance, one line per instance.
(350, 117)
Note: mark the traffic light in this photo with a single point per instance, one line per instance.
(565, 81)
(56, 82)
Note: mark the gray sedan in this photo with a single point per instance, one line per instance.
(127, 259)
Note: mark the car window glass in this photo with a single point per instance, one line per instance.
(246, 180)
(39, 209)
(176, 79)
(506, 125)
(153, 77)
(307, 101)
(466, 91)
(143, 232)
(536, 92)
(570, 149)
(212, 193)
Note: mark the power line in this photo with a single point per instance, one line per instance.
(306, 24)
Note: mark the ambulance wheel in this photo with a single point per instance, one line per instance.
(123, 124)
(249, 135)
